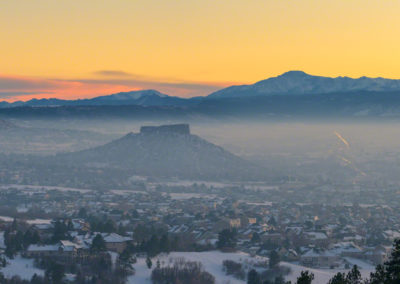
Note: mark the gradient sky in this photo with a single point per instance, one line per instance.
(75, 48)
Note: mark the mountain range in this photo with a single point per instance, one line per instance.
(301, 83)
(289, 83)
(291, 94)
(142, 98)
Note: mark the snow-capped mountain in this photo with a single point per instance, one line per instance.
(143, 98)
(299, 82)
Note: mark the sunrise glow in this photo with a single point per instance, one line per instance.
(73, 49)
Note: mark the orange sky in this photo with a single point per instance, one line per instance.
(71, 48)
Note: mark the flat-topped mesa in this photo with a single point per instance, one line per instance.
(173, 128)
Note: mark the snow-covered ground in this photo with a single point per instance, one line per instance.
(22, 267)
(184, 196)
(27, 187)
(29, 221)
(322, 276)
(212, 262)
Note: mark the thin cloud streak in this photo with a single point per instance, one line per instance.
(112, 73)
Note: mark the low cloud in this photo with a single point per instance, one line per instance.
(17, 83)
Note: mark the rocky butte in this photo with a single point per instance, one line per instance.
(167, 151)
(163, 129)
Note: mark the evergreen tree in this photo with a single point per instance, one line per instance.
(98, 244)
(164, 244)
(70, 226)
(149, 263)
(305, 277)
(379, 276)
(354, 276)
(60, 231)
(13, 241)
(55, 273)
(14, 225)
(255, 237)
(253, 277)
(272, 222)
(339, 278)
(109, 227)
(36, 279)
(30, 237)
(121, 230)
(82, 213)
(153, 246)
(274, 259)
(226, 239)
(392, 266)
(80, 277)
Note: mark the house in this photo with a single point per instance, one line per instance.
(320, 258)
(378, 255)
(115, 242)
(347, 249)
(316, 238)
(252, 221)
(235, 223)
(44, 230)
(273, 237)
(80, 225)
(42, 250)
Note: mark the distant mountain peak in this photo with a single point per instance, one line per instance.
(295, 74)
(137, 94)
(142, 97)
(301, 83)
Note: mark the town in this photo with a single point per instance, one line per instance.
(107, 234)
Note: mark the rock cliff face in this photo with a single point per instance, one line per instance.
(174, 128)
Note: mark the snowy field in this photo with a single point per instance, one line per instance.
(322, 276)
(26, 187)
(29, 221)
(22, 267)
(212, 263)
(184, 196)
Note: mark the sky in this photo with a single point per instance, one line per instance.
(78, 49)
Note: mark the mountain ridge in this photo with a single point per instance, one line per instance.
(301, 83)
(143, 98)
(289, 83)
